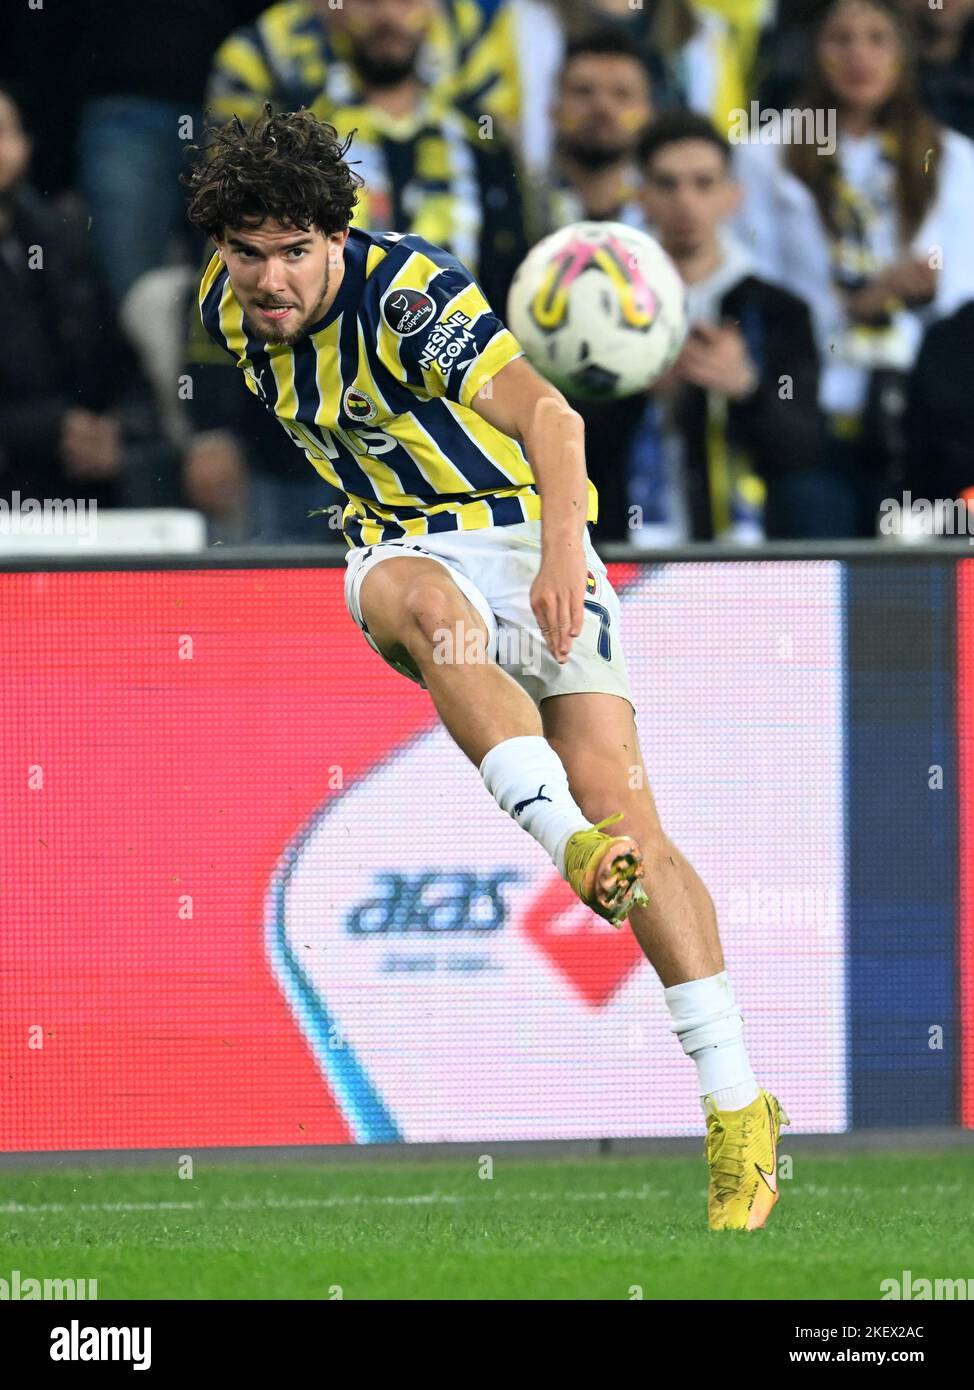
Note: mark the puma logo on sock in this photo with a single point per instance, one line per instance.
(521, 804)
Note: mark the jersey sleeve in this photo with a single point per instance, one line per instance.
(436, 333)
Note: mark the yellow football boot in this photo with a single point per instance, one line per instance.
(742, 1151)
(605, 871)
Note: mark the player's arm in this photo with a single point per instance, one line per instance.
(520, 403)
(523, 405)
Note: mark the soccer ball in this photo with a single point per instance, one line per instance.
(599, 309)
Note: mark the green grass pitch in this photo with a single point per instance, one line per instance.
(590, 1228)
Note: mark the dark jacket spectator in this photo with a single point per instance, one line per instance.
(75, 417)
(703, 465)
(777, 431)
(737, 416)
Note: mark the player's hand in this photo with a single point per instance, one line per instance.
(215, 475)
(91, 445)
(558, 596)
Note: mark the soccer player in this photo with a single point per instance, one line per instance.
(383, 361)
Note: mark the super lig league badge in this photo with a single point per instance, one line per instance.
(406, 310)
(358, 406)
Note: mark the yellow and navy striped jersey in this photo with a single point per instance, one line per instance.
(291, 57)
(378, 393)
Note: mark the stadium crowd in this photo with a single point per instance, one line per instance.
(809, 167)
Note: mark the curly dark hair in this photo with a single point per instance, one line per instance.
(289, 167)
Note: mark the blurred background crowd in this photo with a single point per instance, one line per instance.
(830, 272)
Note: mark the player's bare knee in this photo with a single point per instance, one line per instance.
(432, 613)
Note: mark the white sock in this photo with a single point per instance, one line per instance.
(708, 1023)
(527, 779)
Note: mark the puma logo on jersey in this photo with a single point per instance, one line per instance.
(258, 379)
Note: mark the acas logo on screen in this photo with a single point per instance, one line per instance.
(433, 903)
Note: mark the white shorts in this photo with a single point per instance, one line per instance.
(494, 567)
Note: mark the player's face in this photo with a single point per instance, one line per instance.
(284, 278)
(687, 194)
(603, 107)
(860, 55)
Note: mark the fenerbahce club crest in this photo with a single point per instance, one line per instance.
(358, 406)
